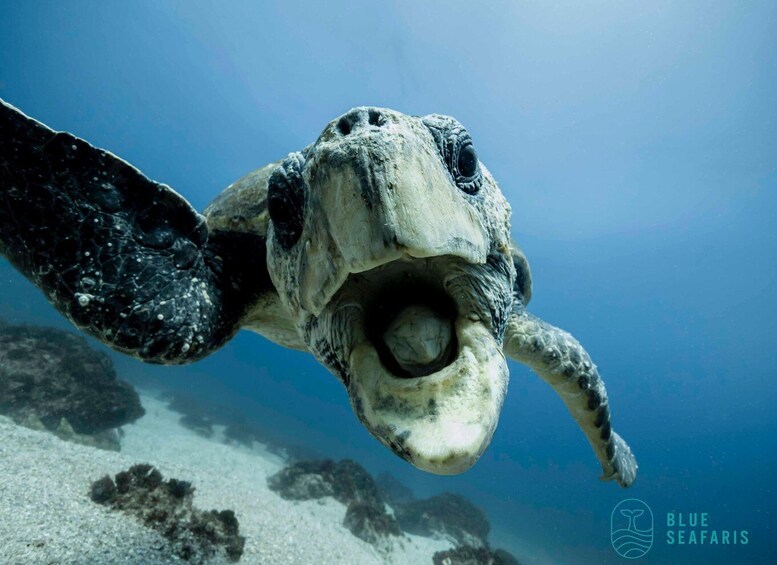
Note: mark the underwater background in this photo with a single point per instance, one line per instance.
(637, 145)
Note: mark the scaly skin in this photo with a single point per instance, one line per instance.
(560, 360)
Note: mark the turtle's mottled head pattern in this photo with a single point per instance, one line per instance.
(389, 244)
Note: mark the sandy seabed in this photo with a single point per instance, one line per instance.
(46, 516)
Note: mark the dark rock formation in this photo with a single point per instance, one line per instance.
(468, 555)
(446, 515)
(392, 491)
(55, 378)
(300, 481)
(370, 523)
(347, 481)
(352, 483)
(166, 506)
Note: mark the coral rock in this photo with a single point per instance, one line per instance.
(51, 375)
(370, 523)
(347, 482)
(448, 516)
(166, 506)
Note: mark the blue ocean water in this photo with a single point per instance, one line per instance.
(637, 145)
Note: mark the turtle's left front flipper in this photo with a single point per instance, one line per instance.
(124, 258)
(562, 362)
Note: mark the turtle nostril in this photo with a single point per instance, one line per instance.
(375, 118)
(359, 119)
(344, 125)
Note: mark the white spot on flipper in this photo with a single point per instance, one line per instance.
(83, 299)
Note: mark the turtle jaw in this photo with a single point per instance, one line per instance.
(441, 416)
(441, 422)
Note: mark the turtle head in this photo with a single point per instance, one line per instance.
(389, 245)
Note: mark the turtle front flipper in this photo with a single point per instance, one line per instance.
(560, 360)
(126, 259)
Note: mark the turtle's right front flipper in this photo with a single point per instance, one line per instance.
(124, 258)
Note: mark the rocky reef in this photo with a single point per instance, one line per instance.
(446, 515)
(166, 506)
(371, 523)
(348, 482)
(51, 379)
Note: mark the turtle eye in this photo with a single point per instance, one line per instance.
(457, 152)
(467, 161)
(463, 162)
(286, 201)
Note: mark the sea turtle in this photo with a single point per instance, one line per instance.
(383, 249)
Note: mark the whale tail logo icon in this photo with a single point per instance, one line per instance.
(631, 528)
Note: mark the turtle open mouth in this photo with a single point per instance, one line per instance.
(419, 346)
(409, 318)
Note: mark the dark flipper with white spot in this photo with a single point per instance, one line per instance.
(124, 258)
(562, 362)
